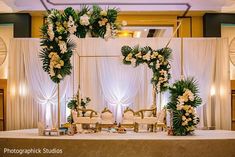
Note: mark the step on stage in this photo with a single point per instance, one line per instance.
(205, 143)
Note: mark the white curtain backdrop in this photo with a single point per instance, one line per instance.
(199, 61)
(119, 83)
(102, 77)
(33, 96)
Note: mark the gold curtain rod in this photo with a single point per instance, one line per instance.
(165, 20)
(101, 56)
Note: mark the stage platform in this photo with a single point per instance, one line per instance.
(205, 143)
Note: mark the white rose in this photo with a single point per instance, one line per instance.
(63, 46)
(84, 20)
(147, 57)
(72, 29)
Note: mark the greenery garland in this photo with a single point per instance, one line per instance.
(183, 101)
(157, 60)
(57, 48)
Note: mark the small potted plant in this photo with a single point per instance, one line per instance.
(84, 102)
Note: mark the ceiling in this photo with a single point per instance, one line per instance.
(196, 5)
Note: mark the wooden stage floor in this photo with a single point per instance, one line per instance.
(205, 143)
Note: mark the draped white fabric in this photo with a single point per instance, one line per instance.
(119, 83)
(33, 84)
(102, 77)
(207, 60)
(201, 52)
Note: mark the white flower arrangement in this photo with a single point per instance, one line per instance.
(50, 31)
(84, 20)
(183, 103)
(154, 59)
(63, 46)
(60, 25)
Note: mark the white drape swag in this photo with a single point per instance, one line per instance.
(31, 87)
(98, 69)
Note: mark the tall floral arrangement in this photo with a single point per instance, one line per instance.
(57, 48)
(157, 60)
(184, 99)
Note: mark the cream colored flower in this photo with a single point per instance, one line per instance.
(63, 46)
(61, 62)
(52, 73)
(147, 56)
(103, 13)
(129, 57)
(183, 118)
(84, 20)
(186, 107)
(153, 56)
(60, 29)
(72, 28)
(163, 72)
(190, 111)
(179, 107)
(138, 55)
(158, 64)
(103, 22)
(133, 62)
(59, 76)
(185, 123)
(50, 31)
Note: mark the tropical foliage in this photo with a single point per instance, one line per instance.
(57, 48)
(73, 104)
(157, 60)
(183, 102)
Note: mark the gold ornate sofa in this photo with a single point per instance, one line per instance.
(91, 117)
(142, 118)
(128, 118)
(106, 119)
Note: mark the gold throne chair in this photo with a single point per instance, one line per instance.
(147, 117)
(106, 119)
(90, 117)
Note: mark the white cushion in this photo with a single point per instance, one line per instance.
(84, 120)
(107, 118)
(128, 118)
(146, 120)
